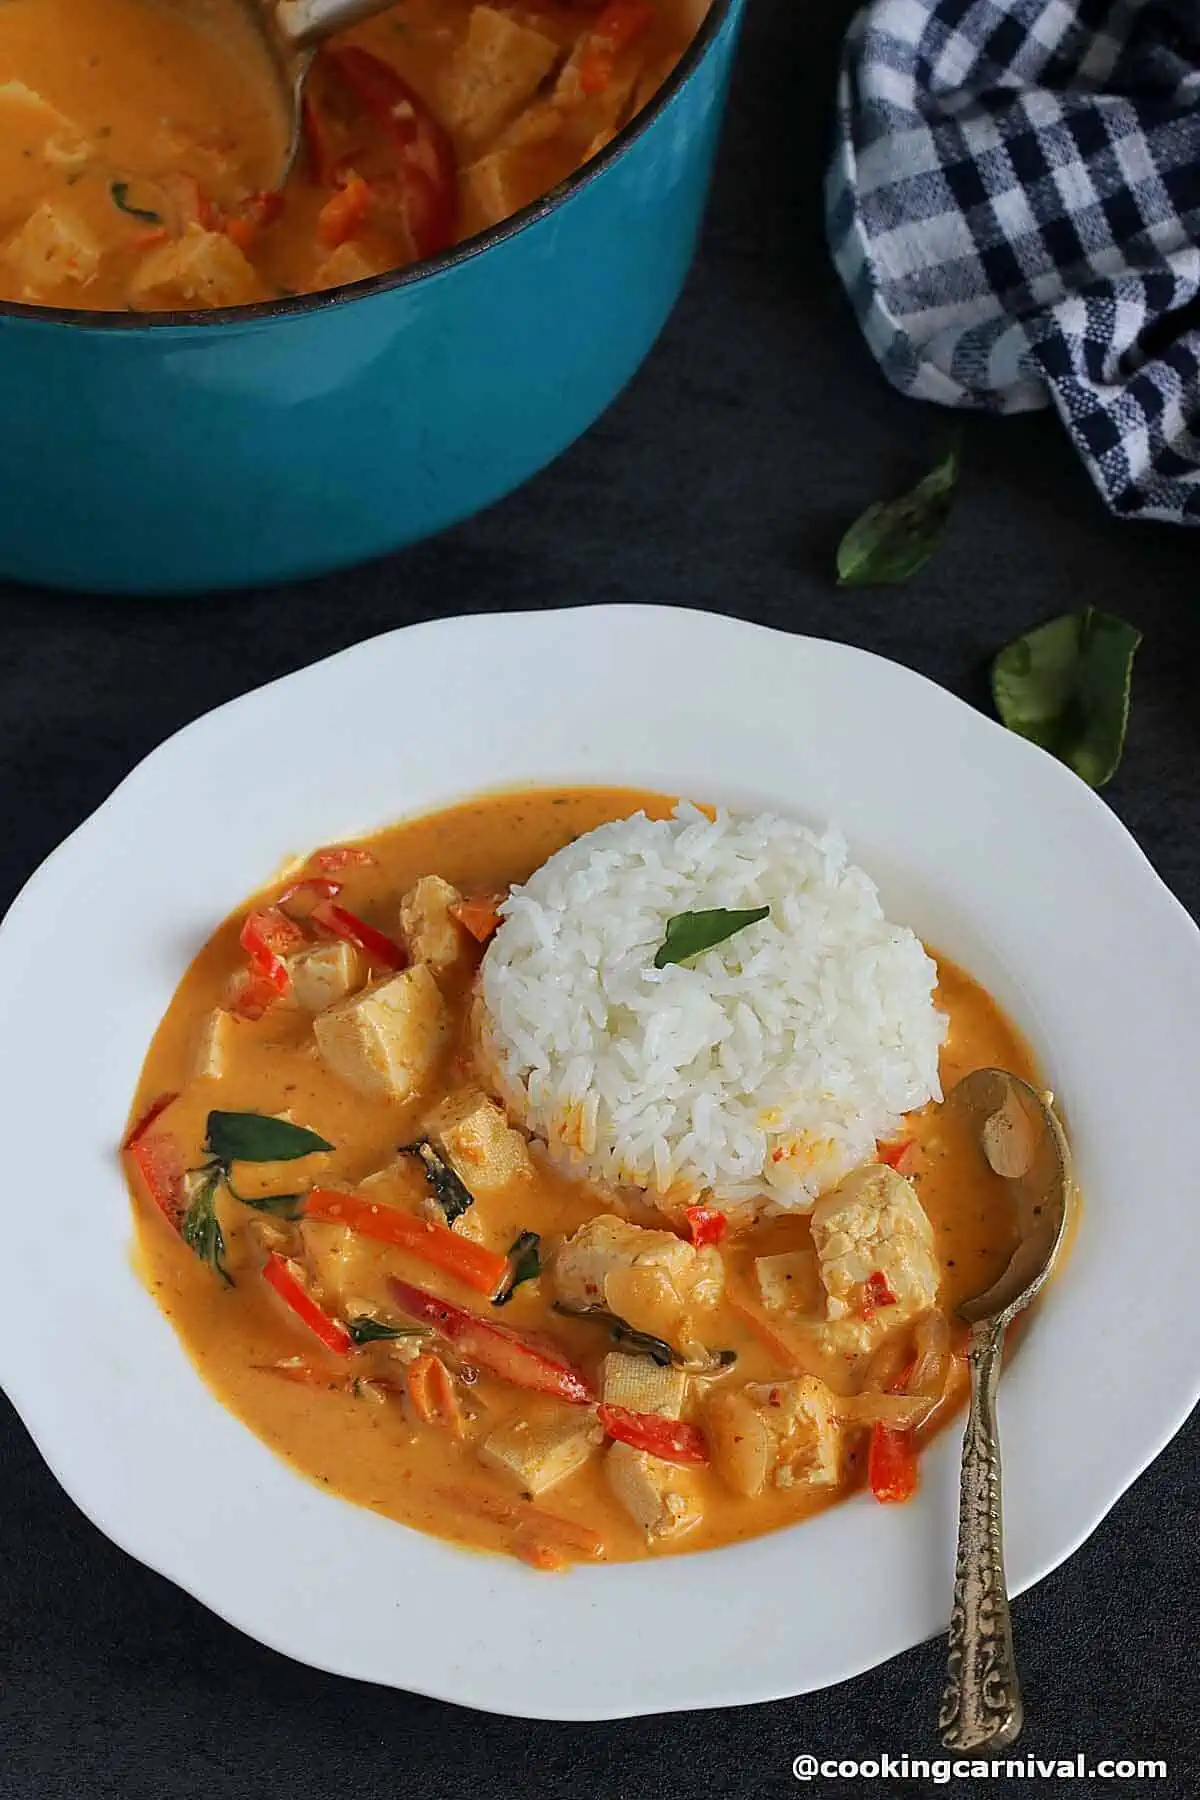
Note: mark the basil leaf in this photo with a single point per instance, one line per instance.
(366, 1330)
(280, 1206)
(1066, 686)
(692, 932)
(258, 1137)
(200, 1228)
(641, 1343)
(119, 191)
(451, 1194)
(524, 1264)
(895, 538)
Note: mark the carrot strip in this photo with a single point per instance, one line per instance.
(479, 914)
(472, 1264)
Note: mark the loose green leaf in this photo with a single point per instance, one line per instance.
(280, 1206)
(690, 933)
(1066, 686)
(119, 191)
(450, 1193)
(258, 1137)
(201, 1229)
(524, 1264)
(366, 1330)
(895, 538)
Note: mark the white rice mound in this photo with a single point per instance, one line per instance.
(763, 1070)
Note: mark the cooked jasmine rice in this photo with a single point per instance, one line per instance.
(763, 1069)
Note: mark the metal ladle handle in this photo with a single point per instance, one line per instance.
(981, 1702)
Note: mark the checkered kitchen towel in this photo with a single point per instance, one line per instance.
(1014, 207)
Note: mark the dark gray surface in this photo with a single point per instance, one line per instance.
(721, 480)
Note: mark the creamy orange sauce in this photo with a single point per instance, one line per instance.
(376, 1453)
(139, 137)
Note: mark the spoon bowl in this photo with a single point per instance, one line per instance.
(1023, 1144)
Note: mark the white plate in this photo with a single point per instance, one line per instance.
(986, 846)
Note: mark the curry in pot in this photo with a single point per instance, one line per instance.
(394, 1285)
(139, 142)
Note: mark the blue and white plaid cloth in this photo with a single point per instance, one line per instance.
(1014, 207)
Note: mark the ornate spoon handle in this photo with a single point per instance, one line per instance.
(981, 1703)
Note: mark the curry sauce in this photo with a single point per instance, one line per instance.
(349, 1421)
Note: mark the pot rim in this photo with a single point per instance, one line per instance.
(294, 306)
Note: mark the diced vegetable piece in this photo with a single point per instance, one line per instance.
(479, 913)
(286, 1278)
(350, 262)
(443, 1249)
(876, 1293)
(893, 1154)
(619, 25)
(671, 1439)
(493, 1347)
(431, 1389)
(251, 995)
(639, 1385)
(54, 250)
(159, 1161)
(499, 65)
(380, 949)
(540, 1452)
(706, 1225)
(427, 925)
(336, 857)
(386, 1041)
(892, 1464)
(323, 974)
(481, 1144)
(268, 936)
(200, 270)
(654, 1493)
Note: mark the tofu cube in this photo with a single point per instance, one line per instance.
(488, 195)
(483, 1148)
(786, 1282)
(540, 1452)
(873, 1223)
(386, 1041)
(37, 126)
(657, 1495)
(54, 250)
(430, 934)
(651, 1279)
(499, 65)
(785, 1431)
(200, 270)
(642, 1385)
(349, 262)
(325, 974)
(214, 1054)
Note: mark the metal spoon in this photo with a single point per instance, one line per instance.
(291, 32)
(1024, 1145)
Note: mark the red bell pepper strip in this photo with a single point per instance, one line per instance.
(159, 1161)
(252, 216)
(252, 995)
(672, 1439)
(154, 1111)
(620, 24)
(279, 1273)
(706, 1225)
(426, 171)
(470, 1263)
(494, 1347)
(342, 856)
(384, 951)
(893, 1154)
(892, 1464)
(267, 936)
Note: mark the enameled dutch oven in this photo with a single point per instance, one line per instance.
(181, 452)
